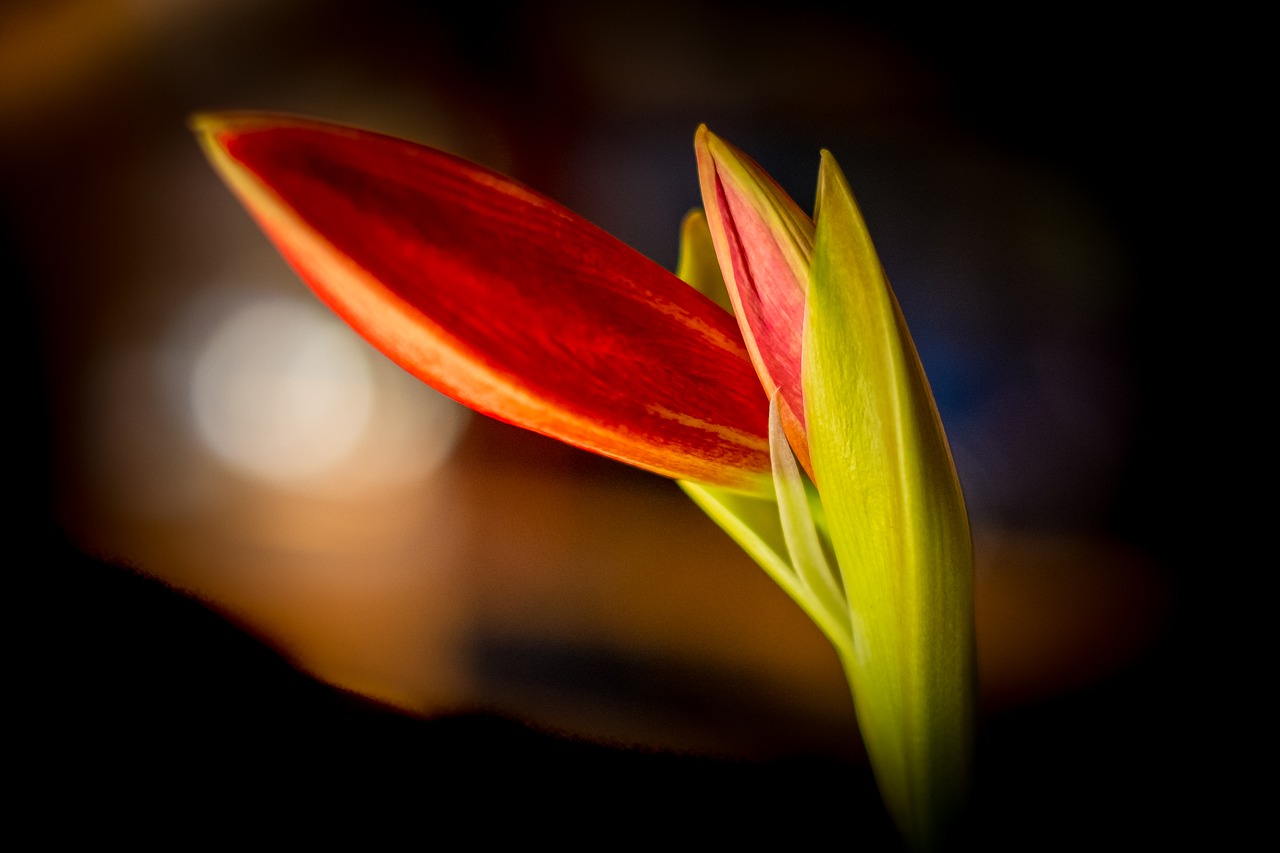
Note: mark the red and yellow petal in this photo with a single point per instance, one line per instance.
(501, 298)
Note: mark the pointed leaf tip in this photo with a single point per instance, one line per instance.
(501, 298)
(697, 265)
(897, 522)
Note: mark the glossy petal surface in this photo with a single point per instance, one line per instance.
(897, 523)
(501, 298)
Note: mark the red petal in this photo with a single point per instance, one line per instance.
(501, 298)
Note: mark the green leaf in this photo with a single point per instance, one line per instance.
(897, 522)
(801, 534)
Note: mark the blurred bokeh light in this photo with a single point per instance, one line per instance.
(277, 392)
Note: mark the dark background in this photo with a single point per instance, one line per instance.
(143, 706)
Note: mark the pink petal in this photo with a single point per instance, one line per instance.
(765, 245)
